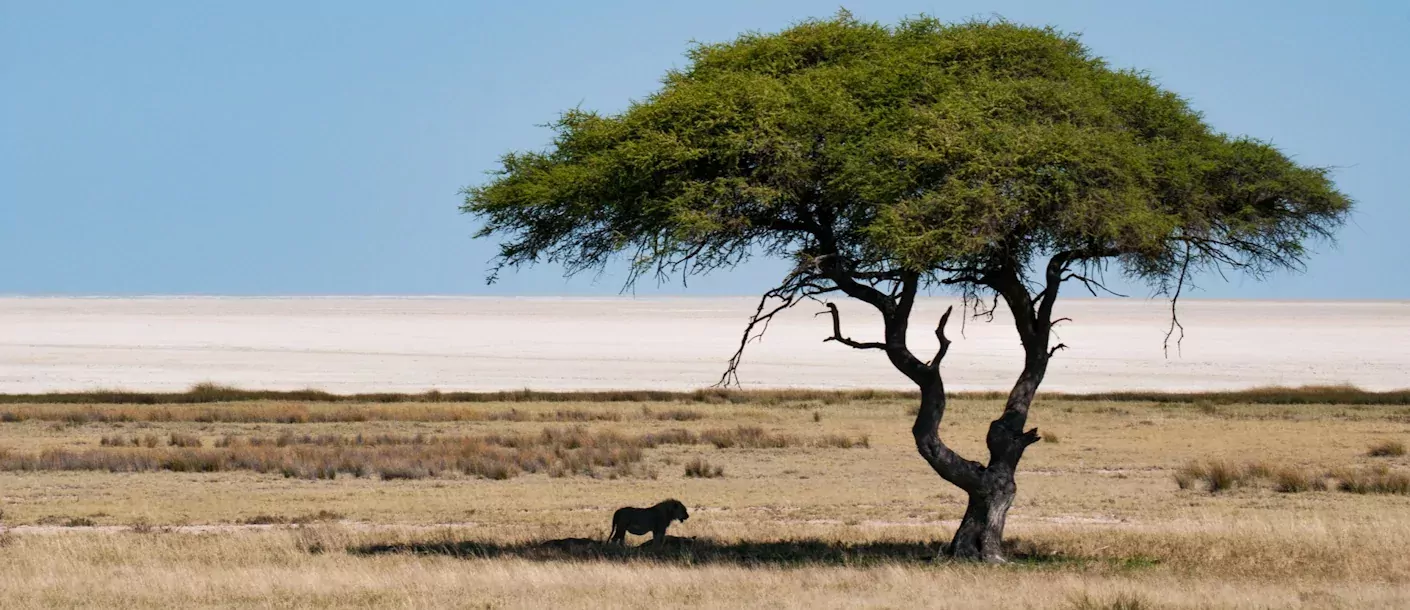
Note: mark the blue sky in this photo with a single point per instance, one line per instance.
(287, 148)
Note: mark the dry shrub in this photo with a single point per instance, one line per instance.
(1295, 480)
(1377, 479)
(1189, 475)
(184, 440)
(1122, 601)
(700, 469)
(1217, 475)
(118, 440)
(1387, 449)
(839, 441)
(747, 437)
(1051, 437)
(1221, 475)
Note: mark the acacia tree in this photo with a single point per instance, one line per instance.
(993, 159)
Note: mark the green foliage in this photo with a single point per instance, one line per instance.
(948, 150)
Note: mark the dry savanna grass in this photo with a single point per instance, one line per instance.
(557, 451)
(1387, 449)
(1218, 475)
(797, 500)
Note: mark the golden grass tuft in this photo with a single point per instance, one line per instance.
(1387, 449)
(1297, 480)
(698, 468)
(1121, 601)
(178, 439)
(1220, 475)
(1378, 479)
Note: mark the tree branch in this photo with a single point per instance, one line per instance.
(797, 286)
(834, 268)
(837, 332)
(1174, 317)
(1088, 283)
(934, 363)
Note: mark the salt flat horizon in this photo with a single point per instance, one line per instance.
(368, 343)
(614, 297)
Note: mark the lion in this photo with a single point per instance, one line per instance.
(639, 521)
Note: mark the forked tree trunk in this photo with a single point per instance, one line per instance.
(990, 487)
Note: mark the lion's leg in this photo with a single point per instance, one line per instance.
(619, 534)
(658, 537)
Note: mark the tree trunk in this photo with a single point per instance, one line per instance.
(991, 488)
(981, 531)
(980, 535)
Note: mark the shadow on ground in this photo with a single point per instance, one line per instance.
(692, 551)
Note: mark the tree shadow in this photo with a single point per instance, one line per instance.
(695, 551)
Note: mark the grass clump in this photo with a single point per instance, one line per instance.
(1377, 479)
(178, 439)
(748, 437)
(1121, 601)
(1387, 449)
(700, 469)
(1297, 480)
(841, 441)
(1218, 475)
(1213, 475)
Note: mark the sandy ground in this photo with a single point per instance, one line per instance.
(415, 344)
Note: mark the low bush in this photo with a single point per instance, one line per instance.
(1215, 476)
(1387, 449)
(701, 469)
(1378, 479)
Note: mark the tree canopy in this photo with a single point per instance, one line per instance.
(950, 150)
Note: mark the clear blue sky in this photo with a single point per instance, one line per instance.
(279, 148)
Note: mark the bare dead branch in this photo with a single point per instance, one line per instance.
(1089, 283)
(798, 286)
(944, 342)
(837, 332)
(1174, 315)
